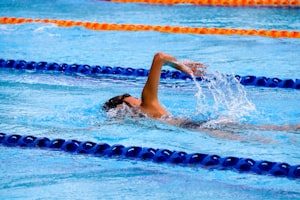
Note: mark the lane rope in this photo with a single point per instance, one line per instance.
(207, 161)
(157, 28)
(257, 3)
(70, 69)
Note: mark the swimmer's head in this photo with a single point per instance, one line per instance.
(115, 101)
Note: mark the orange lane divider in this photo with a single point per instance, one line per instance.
(277, 3)
(164, 29)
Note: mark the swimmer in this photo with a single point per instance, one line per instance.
(149, 103)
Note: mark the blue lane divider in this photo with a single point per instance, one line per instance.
(97, 70)
(263, 167)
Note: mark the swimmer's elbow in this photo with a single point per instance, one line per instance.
(159, 55)
(163, 58)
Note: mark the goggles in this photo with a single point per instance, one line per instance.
(115, 101)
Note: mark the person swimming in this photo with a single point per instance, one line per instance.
(149, 103)
(150, 106)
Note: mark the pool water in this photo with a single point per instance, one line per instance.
(55, 105)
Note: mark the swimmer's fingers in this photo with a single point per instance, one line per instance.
(198, 69)
(199, 65)
(192, 70)
(199, 73)
(194, 64)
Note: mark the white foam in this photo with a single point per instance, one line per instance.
(220, 98)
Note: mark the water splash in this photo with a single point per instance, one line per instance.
(220, 98)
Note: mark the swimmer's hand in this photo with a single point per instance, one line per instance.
(193, 68)
(189, 67)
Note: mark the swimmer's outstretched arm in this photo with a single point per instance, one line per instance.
(160, 59)
(150, 103)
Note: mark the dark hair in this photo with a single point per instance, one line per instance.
(113, 102)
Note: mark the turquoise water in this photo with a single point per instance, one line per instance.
(59, 106)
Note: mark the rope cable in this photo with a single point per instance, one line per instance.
(158, 28)
(260, 3)
(96, 70)
(207, 161)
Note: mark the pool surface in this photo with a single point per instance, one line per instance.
(56, 105)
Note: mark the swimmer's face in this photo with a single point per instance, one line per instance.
(132, 101)
(117, 102)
